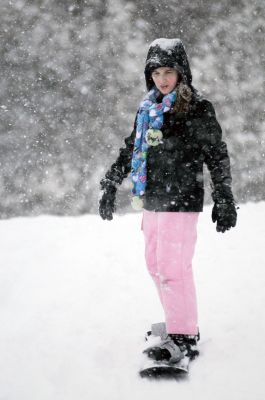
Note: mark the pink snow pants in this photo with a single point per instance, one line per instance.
(170, 239)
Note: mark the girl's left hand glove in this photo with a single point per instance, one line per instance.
(225, 214)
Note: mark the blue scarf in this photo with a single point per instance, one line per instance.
(150, 115)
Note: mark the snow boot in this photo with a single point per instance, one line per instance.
(158, 329)
(187, 344)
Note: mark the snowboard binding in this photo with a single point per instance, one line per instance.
(168, 354)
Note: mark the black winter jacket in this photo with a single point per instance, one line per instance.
(175, 167)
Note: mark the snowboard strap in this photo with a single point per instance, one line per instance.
(167, 344)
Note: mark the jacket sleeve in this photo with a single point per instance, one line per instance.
(122, 166)
(216, 157)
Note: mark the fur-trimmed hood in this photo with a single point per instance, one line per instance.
(167, 53)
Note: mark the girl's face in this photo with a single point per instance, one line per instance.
(165, 79)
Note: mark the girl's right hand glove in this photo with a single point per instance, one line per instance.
(107, 201)
(225, 215)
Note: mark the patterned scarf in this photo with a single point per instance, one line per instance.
(150, 115)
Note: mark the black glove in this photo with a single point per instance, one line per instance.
(225, 214)
(107, 201)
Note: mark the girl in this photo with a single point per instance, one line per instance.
(175, 132)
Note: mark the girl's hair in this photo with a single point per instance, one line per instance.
(184, 96)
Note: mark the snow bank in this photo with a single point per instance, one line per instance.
(76, 300)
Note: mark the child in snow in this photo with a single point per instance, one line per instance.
(175, 132)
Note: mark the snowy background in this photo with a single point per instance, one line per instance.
(75, 296)
(72, 78)
(75, 308)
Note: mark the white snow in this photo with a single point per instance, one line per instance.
(164, 43)
(76, 300)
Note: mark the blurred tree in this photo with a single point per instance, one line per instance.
(67, 73)
(230, 69)
(72, 77)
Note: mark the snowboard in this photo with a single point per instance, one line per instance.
(163, 369)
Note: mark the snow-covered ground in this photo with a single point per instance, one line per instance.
(76, 300)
